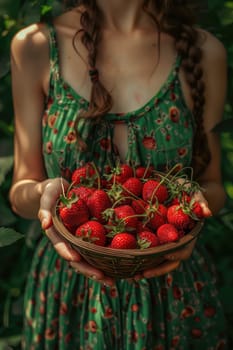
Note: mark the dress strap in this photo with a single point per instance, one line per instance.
(177, 64)
(53, 50)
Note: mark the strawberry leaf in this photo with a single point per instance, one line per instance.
(68, 201)
(143, 243)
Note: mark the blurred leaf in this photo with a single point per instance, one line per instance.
(9, 7)
(6, 164)
(7, 128)
(4, 65)
(226, 297)
(11, 340)
(7, 218)
(9, 236)
(45, 9)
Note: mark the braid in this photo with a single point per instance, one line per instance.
(179, 22)
(191, 58)
(100, 99)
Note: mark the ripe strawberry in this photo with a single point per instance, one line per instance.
(157, 215)
(93, 232)
(121, 173)
(153, 191)
(85, 174)
(181, 198)
(139, 206)
(142, 227)
(73, 211)
(197, 210)
(132, 186)
(167, 233)
(181, 233)
(82, 192)
(123, 240)
(127, 215)
(105, 184)
(97, 203)
(144, 172)
(117, 195)
(177, 217)
(147, 239)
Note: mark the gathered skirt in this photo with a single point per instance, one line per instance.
(67, 311)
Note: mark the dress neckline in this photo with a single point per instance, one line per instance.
(54, 63)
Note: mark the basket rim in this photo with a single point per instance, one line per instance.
(107, 251)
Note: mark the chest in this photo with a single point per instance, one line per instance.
(132, 69)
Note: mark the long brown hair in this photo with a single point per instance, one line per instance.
(176, 18)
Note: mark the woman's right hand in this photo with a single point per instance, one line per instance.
(52, 190)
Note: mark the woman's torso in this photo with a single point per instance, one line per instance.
(130, 68)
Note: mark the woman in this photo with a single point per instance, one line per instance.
(139, 69)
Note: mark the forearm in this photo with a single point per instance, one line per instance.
(215, 195)
(25, 197)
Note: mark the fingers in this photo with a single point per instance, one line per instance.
(49, 196)
(91, 272)
(182, 254)
(45, 218)
(162, 269)
(62, 247)
(198, 196)
(172, 262)
(75, 260)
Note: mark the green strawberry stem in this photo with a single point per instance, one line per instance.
(63, 196)
(129, 192)
(188, 185)
(163, 179)
(62, 187)
(153, 208)
(154, 191)
(115, 192)
(133, 216)
(97, 174)
(120, 200)
(189, 179)
(187, 209)
(146, 169)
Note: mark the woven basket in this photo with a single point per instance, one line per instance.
(122, 263)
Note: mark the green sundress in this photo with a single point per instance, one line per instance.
(65, 310)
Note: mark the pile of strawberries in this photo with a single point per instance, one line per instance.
(127, 208)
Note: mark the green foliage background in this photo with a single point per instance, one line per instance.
(16, 257)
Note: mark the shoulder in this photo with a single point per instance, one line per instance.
(30, 45)
(30, 39)
(214, 52)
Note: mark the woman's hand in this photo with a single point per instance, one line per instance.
(49, 196)
(198, 197)
(173, 260)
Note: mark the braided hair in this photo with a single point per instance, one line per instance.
(176, 18)
(100, 99)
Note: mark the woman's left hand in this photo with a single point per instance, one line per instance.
(173, 260)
